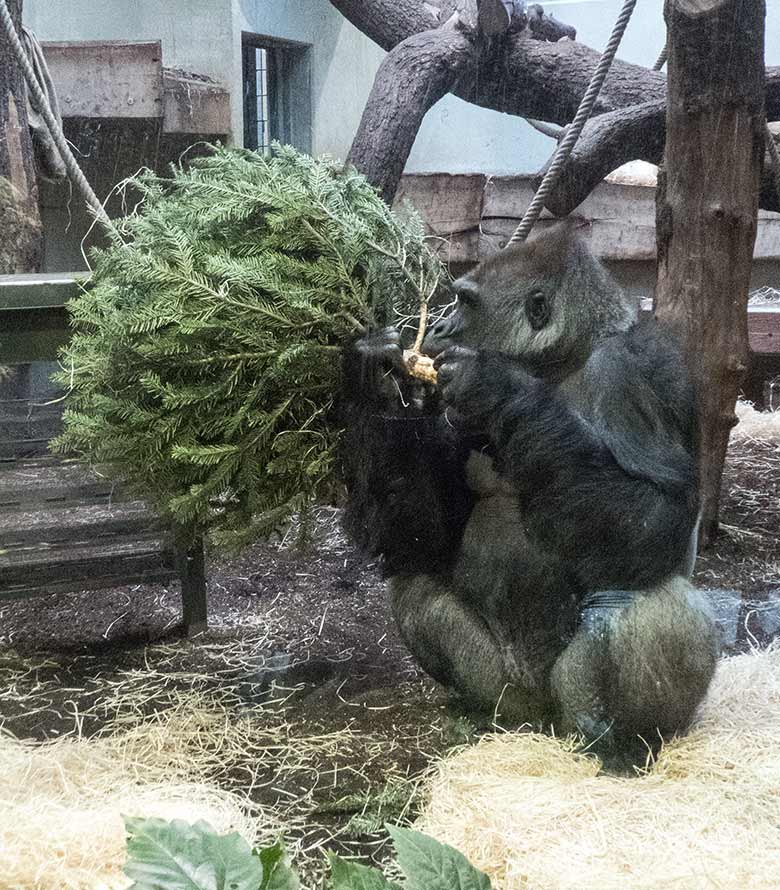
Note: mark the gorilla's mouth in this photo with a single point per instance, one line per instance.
(444, 332)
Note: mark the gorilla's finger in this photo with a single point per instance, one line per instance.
(452, 354)
(445, 374)
(386, 337)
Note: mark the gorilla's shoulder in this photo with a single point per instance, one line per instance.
(637, 381)
(645, 353)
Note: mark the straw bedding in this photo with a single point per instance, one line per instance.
(758, 425)
(532, 813)
(61, 803)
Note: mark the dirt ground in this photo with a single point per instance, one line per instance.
(310, 634)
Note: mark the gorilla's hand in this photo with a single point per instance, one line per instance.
(376, 365)
(477, 384)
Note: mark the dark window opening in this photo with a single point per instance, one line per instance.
(277, 94)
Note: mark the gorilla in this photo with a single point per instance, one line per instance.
(536, 512)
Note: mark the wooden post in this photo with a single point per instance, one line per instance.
(190, 565)
(707, 207)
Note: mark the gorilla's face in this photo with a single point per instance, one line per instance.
(505, 305)
(544, 303)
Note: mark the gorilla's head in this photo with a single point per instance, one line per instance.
(545, 303)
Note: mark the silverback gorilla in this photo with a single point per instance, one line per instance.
(537, 512)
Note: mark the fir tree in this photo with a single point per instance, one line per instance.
(205, 357)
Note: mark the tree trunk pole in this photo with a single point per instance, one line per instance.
(20, 223)
(707, 207)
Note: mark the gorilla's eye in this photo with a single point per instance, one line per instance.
(467, 294)
(537, 309)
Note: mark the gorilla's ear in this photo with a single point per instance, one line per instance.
(537, 309)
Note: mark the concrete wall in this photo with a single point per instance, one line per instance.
(343, 62)
(195, 34)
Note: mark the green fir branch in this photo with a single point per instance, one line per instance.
(206, 352)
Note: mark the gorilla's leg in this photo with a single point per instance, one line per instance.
(455, 646)
(522, 593)
(639, 669)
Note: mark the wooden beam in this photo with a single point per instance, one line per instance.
(23, 570)
(48, 496)
(476, 214)
(51, 538)
(44, 290)
(194, 105)
(102, 582)
(117, 80)
(107, 78)
(190, 564)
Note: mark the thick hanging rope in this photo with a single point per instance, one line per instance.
(51, 163)
(661, 60)
(573, 132)
(74, 171)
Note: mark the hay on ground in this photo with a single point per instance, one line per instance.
(62, 802)
(761, 425)
(535, 815)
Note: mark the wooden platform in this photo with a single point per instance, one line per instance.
(474, 215)
(123, 80)
(65, 529)
(63, 526)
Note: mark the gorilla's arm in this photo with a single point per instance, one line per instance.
(403, 463)
(606, 474)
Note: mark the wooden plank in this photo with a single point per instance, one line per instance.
(46, 497)
(19, 568)
(19, 409)
(104, 582)
(33, 464)
(764, 329)
(107, 79)
(141, 527)
(23, 448)
(39, 291)
(195, 105)
(32, 335)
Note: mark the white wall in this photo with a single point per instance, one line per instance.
(343, 62)
(195, 34)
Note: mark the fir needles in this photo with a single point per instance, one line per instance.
(206, 353)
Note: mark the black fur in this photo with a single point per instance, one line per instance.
(554, 469)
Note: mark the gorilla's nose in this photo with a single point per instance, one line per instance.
(440, 333)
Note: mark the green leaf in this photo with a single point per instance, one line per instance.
(347, 875)
(175, 855)
(429, 865)
(277, 873)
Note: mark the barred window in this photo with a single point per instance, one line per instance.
(277, 94)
